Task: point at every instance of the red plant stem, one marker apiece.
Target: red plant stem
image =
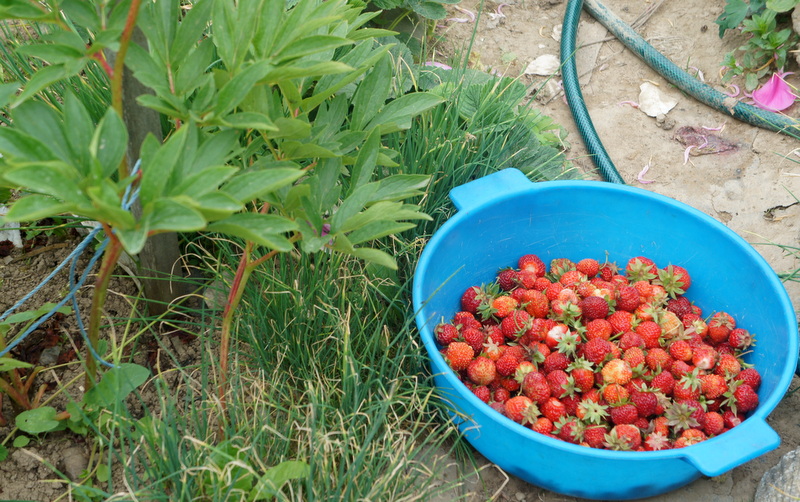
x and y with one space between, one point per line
234 297
16 396
110 258
100 58
119 63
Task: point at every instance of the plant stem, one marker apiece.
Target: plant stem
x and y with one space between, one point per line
110 258
117 77
243 272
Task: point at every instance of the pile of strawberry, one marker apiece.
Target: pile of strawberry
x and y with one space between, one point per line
600 356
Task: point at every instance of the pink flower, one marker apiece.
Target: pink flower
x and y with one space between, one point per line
775 95
438 65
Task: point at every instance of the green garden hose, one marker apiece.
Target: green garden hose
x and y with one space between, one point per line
666 68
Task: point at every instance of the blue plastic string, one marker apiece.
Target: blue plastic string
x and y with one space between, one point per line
128 198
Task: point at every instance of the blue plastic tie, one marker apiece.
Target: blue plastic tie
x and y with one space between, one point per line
128 198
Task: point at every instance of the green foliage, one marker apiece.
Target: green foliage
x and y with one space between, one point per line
430 9
769 34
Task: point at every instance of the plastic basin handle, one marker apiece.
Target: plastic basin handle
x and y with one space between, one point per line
742 443
487 189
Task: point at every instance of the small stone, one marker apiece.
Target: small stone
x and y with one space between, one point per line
49 356
665 122
74 462
782 482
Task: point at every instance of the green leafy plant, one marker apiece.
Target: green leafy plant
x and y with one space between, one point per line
767 46
429 9
263 147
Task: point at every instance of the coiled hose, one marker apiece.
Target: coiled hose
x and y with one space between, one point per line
666 68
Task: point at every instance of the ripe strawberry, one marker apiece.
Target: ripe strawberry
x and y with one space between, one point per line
624 437
628 298
503 305
623 414
533 263
694 324
586 289
588 266
634 356
535 387
608 270
746 398
553 290
681 368
482 370
740 338
446 333
705 357
720 326
674 279
459 355
621 321
732 419
560 266
475 338
472 299
663 382
679 306
572 278
598 328
507 364
483 393
751 377
536 303
541 284
595 435
464 319
658 359
569 429
501 395
555 361
543 425
671 326
680 350
515 324
687 387
641 268
517 408
629 340
523 369
558 380
650 332
555 334
593 307
645 401
617 371
494 333
713 386
526 279
583 378
596 350
615 393
728 366
507 279
553 409
689 437
713 423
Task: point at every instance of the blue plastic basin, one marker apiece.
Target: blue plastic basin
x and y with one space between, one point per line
503 216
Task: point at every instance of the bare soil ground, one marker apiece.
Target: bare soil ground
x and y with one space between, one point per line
751 189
